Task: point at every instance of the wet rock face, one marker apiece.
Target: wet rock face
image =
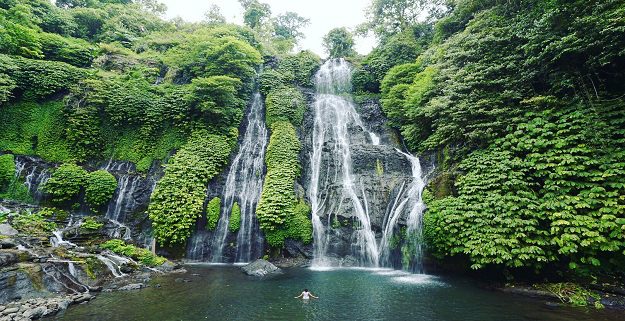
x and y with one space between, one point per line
17 283
378 171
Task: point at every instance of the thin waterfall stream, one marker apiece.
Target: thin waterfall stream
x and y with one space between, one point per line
244 185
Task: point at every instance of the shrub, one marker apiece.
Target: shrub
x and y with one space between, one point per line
213 209
299 69
30 128
38 80
235 218
7 170
142 255
285 104
33 224
65 183
270 80
99 188
178 198
91 223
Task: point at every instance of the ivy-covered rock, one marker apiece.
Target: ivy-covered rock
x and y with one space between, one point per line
178 199
285 104
279 214
549 192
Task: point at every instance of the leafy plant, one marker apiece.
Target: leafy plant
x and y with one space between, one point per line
142 255
91 223
213 211
99 187
33 224
65 183
235 218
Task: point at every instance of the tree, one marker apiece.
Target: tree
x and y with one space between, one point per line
289 25
213 16
339 42
256 13
388 17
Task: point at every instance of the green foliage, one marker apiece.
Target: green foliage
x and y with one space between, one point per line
99 188
288 26
299 69
285 104
202 56
401 48
255 13
213 211
142 255
7 170
217 98
269 80
65 183
37 80
550 191
178 198
235 218
33 224
339 43
73 51
91 223
35 129
277 204
571 293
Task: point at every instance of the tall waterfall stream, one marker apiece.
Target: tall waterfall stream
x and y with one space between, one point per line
334 122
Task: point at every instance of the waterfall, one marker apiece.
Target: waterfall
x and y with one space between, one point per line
334 114
124 201
34 172
337 133
408 200
244 185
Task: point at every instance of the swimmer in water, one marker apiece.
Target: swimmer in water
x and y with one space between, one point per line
306 295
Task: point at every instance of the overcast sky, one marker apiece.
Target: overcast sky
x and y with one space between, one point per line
323 14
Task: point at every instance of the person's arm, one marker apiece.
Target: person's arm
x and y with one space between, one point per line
299 296
314 297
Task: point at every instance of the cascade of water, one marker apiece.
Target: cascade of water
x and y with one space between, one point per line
111 265
57 240
334 114
336 125
244 185
407 199
34 175
123 202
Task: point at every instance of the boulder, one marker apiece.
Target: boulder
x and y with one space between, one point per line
261 268
7 230
7 243
133 286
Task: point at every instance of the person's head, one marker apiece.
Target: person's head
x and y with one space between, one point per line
305 290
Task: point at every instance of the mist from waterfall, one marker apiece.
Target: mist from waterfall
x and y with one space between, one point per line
244 185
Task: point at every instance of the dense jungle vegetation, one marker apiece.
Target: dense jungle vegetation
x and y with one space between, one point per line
87 81
521 102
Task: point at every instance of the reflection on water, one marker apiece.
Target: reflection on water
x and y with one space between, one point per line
225 293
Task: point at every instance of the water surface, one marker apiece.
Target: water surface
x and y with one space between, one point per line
225 293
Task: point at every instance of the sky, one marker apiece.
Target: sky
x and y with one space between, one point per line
324 15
